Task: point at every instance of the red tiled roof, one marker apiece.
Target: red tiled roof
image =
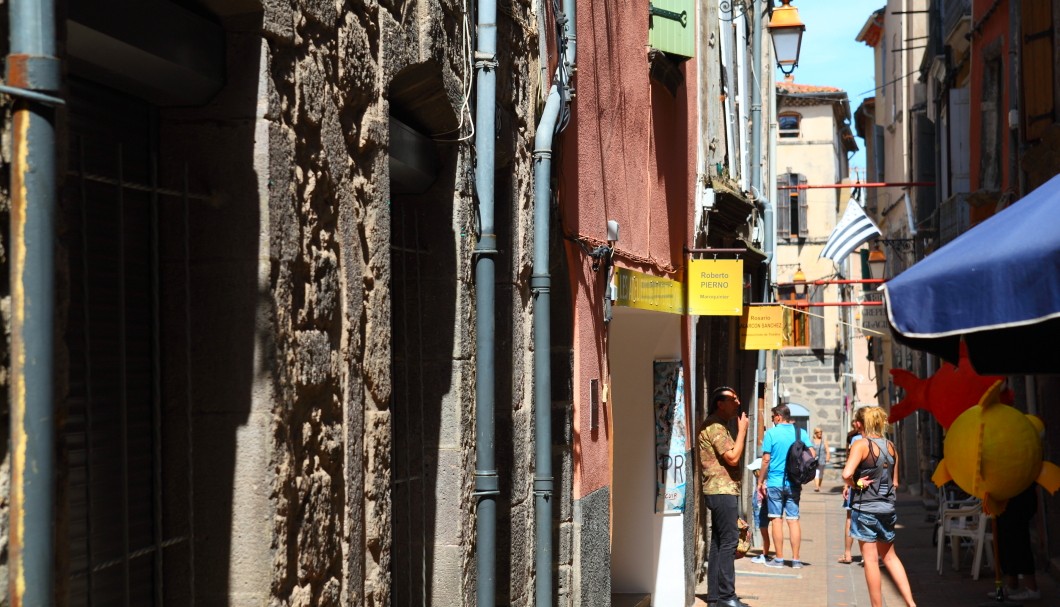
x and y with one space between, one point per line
792 87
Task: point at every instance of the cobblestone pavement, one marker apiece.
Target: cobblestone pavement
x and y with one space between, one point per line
824 581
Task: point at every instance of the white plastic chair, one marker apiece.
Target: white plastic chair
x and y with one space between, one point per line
964 521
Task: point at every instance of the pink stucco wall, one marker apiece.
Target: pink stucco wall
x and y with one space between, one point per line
629 154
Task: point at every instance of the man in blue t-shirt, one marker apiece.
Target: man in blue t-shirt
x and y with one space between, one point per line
782 497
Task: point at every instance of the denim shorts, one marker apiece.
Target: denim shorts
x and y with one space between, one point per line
783 500
871 527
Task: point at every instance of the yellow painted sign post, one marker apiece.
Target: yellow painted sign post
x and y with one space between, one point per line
715 287
762 328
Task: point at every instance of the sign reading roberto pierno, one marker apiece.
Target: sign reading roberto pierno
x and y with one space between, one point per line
715 287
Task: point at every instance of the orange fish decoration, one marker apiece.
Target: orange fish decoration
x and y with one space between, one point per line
946 394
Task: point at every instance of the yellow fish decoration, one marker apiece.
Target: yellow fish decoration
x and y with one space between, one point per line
994 452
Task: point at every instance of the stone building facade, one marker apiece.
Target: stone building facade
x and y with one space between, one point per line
817 369
266 371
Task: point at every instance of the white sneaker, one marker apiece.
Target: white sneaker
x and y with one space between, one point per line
1025 594
759 560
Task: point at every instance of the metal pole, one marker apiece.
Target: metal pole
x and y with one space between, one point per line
875 184
541 286
822 304
837 281
486 485
756 178
32 65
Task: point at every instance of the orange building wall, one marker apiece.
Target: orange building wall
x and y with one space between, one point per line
628 155
994 28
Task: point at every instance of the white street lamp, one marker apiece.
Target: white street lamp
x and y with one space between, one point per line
877 262
786 30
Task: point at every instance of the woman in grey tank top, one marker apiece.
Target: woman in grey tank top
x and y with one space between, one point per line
871 472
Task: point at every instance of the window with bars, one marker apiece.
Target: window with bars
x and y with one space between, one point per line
118 526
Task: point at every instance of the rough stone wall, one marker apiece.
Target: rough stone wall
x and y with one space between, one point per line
329 236
813 381
517 99
592 560
328 69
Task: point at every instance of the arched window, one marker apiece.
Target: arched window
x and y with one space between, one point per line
789 124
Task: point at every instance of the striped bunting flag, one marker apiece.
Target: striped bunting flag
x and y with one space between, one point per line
853 229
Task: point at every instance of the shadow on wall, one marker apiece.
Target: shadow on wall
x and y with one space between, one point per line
211 338
427 473
158 282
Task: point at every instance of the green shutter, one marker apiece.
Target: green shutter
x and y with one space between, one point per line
672 35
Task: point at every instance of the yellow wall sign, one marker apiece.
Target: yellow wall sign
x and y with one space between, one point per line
715 287
762 328
647 292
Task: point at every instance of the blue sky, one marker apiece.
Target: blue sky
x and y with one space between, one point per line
831 56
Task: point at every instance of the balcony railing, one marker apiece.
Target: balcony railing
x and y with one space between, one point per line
954 219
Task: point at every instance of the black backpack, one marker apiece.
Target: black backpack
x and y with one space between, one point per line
801 466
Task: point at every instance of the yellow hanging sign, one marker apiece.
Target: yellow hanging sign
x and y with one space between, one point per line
646 292
715 287
762 328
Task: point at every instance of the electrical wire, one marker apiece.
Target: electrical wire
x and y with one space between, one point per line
468 81
842 322
886 84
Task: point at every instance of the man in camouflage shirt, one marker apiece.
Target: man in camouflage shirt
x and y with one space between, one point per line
720 455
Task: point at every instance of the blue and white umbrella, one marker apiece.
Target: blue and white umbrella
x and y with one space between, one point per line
997 286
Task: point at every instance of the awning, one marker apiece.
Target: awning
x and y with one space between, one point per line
997 286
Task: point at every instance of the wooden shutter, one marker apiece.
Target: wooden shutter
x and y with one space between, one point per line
960 142
925 172
816 321
674 36
1038 68
990 139
783 209
804 229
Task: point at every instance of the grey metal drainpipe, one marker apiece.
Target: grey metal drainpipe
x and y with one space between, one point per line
32 65
540 285
756 176
486 485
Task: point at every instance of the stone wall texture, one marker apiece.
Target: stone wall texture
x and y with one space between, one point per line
330 68
814 381
302 512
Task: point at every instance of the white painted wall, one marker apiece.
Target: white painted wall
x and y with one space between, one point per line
647 549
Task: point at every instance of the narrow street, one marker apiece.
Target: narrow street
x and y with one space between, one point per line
844 585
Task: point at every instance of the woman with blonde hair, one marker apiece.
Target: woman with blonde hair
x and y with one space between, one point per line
871 472
820 447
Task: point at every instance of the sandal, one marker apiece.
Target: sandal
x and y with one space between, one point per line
844 561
